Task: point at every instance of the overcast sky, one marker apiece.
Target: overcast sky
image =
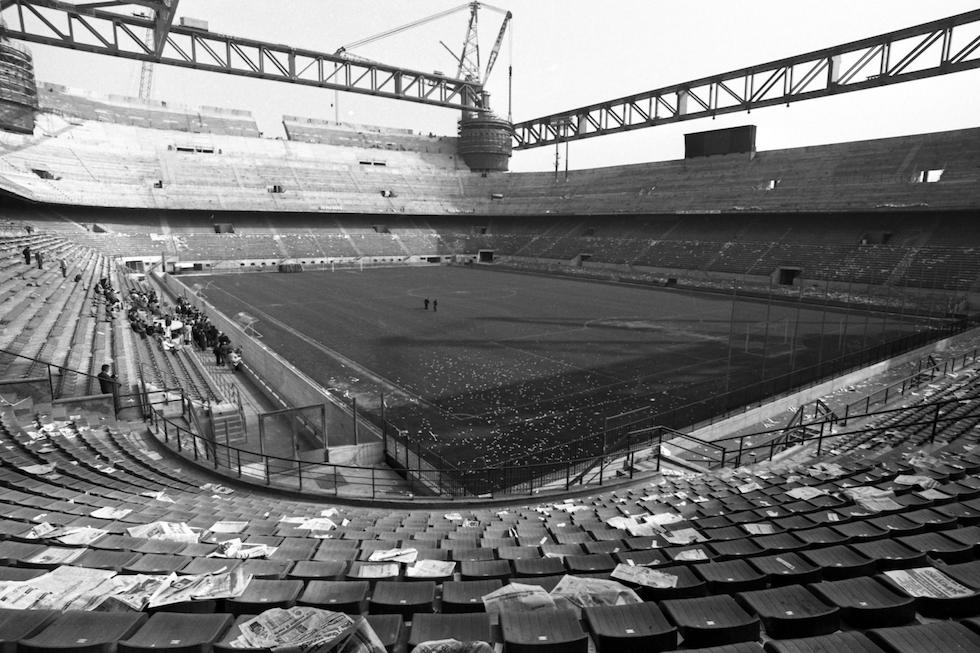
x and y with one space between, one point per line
564 53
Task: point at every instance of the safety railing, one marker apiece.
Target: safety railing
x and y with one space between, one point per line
929 417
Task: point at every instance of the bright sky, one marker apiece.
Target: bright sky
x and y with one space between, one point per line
565 54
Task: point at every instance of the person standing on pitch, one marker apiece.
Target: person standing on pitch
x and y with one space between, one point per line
435 305
425 302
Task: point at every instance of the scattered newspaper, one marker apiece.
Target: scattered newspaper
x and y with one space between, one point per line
297 629
934 495
378 570
110 513
394 555
634 526
159 496
165 530
805 492
577 592
749 487
452 646
684 536
928 582
38 470
131 592
180 589
759 529
925 482
453 516
316 524
644 576
217 489
55 590
664 518
430 569
873 499
235 548
517 597
70 535
826 470
691 555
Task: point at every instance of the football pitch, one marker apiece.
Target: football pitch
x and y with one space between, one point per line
515 368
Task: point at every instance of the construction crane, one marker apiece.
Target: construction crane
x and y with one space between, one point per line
146 68
468 60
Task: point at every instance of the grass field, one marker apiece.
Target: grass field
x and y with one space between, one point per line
515 367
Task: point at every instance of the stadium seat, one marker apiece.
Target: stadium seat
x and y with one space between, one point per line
590 563
890 554
711 621
966 573
941 636
340 596
866 603
19 573
852 642
485 570
837 562
731 576
388 628
466 596
943 602
16 625
518 552
531 567
177 633
406 599
964 514
262 595
223 645
787 569
629 627
200 565
791 611
967 535
687 585
861 530
156 563
735 548
473 627
317 570
543 631
261 569
780 542
372 571
83 632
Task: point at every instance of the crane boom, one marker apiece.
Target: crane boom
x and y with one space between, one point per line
88 28
492 59
901 56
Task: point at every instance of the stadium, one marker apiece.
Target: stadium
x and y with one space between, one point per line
360 388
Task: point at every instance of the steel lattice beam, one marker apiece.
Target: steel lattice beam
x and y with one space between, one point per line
91 29
936 48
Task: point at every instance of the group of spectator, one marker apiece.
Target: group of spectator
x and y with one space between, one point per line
187 325
39 260
105 290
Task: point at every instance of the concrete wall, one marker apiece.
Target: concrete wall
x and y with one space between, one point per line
91 404
23 394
